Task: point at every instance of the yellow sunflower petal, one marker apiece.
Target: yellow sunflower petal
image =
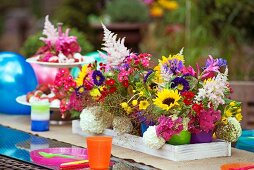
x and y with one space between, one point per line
167 99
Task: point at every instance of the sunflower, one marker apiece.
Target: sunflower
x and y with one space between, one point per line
166 99
82 74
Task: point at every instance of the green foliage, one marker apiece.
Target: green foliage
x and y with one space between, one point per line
76 12
32 43
127 11
222 28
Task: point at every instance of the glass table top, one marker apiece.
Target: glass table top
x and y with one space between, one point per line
18 144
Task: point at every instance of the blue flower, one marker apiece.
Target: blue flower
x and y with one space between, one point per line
173 66
181 84
98 78
222 62
147 75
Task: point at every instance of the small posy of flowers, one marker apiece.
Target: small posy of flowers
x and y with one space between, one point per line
59 46
169 98
201 96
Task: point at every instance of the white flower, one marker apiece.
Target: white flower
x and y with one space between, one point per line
90 122
50 31
214 89
151 139
115 48
62 58
78 56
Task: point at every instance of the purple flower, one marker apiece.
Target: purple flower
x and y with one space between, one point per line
181 84
176 66
212 65
222 62
218 62
98 78
80 90
147 75
173 66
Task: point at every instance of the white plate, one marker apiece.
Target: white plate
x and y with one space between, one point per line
22 100
87 60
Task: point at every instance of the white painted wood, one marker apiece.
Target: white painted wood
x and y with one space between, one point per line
217 148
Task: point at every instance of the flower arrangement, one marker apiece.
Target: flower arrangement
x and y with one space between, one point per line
58 46
170 99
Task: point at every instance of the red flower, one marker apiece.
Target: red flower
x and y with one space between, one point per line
88 86
110 82
112 89
125 83
197 107
188 96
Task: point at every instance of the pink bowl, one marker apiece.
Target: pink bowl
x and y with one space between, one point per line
79 153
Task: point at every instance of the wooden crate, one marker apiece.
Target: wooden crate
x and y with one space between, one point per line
217 148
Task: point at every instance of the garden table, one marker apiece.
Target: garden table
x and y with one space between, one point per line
64 133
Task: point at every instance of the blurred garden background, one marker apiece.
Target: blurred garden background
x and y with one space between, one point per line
221 28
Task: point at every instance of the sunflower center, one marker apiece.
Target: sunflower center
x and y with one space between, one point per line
180 87
168 101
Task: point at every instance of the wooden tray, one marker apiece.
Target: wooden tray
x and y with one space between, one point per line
216 148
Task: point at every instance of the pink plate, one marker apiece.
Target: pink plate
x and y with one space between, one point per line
79 153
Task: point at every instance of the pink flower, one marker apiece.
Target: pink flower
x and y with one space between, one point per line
67 45
212 65
168 127
46 56
205 120
188 71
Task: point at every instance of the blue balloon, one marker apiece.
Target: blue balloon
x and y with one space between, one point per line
17 78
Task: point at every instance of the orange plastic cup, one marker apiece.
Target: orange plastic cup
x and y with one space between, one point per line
238 166
99 151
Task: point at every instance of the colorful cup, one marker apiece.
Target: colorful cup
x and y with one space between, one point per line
40 114
180 139
237 166
99 151
202 137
